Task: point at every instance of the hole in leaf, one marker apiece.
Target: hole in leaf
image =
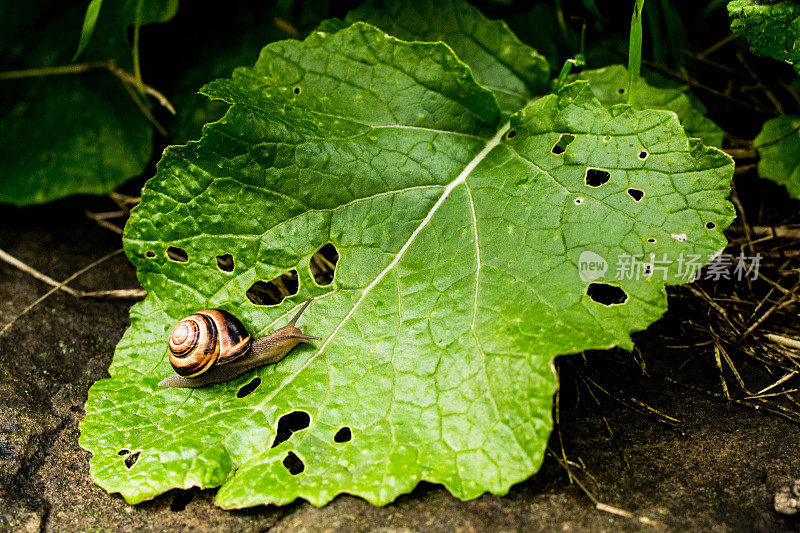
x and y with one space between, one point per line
680 237
643 155
343 435
289 423
596 177
225 262
293 464
177 254
297 90
150 254
606 138
131 459
710 225
511 134
124 451
274 291
250 387
606 294
578 201
323 264
647 269
636 194
651 240
181 500
621 91
563 141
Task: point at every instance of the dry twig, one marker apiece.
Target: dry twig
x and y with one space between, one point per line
104 294
128 81
58 287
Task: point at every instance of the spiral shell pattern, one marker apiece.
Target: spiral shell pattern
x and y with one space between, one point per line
204 339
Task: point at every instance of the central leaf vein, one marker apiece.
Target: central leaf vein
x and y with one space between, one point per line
461 178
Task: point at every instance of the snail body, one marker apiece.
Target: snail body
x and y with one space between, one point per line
213 346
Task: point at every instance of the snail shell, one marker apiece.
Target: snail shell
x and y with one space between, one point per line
204 339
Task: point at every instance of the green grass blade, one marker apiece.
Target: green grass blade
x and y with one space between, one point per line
635 49
89 22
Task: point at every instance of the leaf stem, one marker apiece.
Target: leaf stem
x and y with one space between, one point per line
565 70
79 68
144 109
52 71
137 71
635 50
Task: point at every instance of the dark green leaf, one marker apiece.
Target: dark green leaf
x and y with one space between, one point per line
778 146
771 28
499 61
72 133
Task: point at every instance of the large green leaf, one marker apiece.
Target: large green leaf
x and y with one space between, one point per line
610 85
459 238
771 28
66 134
514 71
778 146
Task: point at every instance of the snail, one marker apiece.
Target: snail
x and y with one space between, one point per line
213 346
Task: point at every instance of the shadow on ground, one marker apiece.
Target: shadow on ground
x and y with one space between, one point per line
718 472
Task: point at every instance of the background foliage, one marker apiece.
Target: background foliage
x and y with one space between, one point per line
120 127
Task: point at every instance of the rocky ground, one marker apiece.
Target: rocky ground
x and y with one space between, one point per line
717 472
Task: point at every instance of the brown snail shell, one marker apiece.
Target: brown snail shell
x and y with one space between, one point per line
204 339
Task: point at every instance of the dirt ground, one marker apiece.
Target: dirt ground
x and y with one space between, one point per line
717 472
